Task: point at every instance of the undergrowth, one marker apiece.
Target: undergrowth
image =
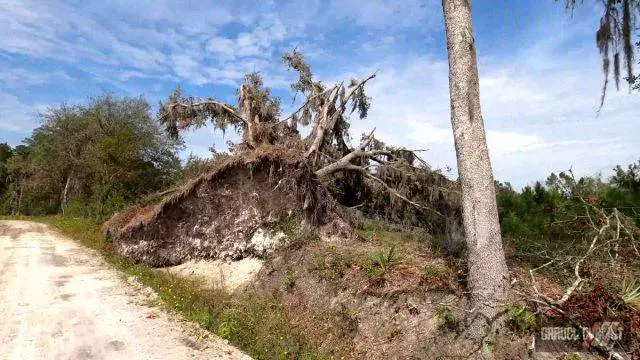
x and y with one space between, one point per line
381 262
256 323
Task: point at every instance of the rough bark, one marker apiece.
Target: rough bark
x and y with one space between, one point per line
488 275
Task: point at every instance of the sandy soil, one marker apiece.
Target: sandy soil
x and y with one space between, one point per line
218 274
59 300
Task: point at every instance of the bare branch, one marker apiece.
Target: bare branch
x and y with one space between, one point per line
347 159
327 120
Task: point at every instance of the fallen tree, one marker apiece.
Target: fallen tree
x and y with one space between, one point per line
323 173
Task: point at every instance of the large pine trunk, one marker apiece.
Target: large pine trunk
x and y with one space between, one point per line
488 275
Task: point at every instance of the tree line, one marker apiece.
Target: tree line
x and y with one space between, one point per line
88 160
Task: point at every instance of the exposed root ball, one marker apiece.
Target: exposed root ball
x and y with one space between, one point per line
217 215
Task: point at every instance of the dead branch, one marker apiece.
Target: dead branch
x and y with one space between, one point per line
346 164
332 111
578 281
347 160
306 103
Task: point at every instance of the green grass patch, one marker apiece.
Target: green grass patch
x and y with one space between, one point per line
331 263
256 323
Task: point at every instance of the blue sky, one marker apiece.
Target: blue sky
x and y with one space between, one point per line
540 72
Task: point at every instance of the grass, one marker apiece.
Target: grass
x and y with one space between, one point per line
380 262
330 263
435 270
256 323
630 295
447 319
520 320
288 279
376 231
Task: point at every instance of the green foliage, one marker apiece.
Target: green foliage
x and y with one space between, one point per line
437 271
380 262
572 356
520 320
228 328
89 160
447 318
551 220
331 263
5 153
288 278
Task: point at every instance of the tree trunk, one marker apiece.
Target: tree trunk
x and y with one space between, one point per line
65 194
488 275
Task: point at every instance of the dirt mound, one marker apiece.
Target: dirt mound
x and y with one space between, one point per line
225 214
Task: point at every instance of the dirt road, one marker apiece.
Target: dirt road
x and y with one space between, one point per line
59 300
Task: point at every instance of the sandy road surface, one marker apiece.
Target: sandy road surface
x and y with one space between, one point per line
59 300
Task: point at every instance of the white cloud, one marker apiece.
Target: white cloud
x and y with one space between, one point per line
539 119
255 43
16 116
385 13
11 78
222 47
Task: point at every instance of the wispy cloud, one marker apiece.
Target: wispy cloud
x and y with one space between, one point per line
12 78
539 85
17 116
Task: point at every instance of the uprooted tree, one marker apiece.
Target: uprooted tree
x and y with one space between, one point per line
356 174
274 173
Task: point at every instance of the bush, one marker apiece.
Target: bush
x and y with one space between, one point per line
520 320
447 318
379 263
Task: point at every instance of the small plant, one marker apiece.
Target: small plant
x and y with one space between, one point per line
290 226
393 333
288 279
228 328
630 295
379 263
432 270
520 320
330 264
446 317
572 356
435 271
346 320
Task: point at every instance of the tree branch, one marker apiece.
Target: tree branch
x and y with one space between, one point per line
327 121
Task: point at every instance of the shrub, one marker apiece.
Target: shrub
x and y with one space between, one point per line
447 318
288 279
520 320
379 263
